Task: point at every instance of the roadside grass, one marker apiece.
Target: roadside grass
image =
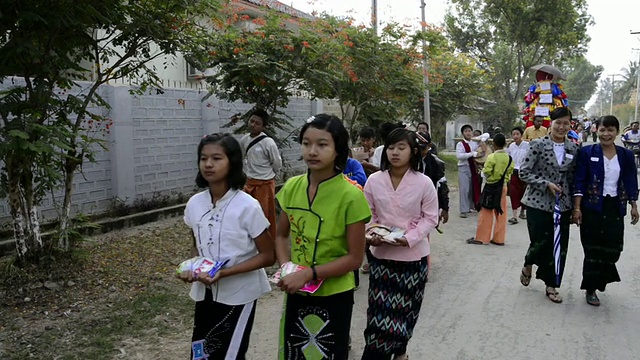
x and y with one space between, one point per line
451 169
119 297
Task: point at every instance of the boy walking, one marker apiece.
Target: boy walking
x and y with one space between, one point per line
262 163
468 178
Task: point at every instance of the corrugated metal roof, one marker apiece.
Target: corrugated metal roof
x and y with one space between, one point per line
280 7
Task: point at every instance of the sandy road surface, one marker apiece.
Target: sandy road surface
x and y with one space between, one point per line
476 308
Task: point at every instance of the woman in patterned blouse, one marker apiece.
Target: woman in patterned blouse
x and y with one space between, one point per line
548 169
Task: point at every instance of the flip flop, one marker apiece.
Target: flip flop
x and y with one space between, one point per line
553 295
474 242
495 243
365 269
513 221
523 216
525 279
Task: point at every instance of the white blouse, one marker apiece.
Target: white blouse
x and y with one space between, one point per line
611 176
228 231
558 149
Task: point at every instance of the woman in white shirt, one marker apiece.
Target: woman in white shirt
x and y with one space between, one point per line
518 151
605 184
227 224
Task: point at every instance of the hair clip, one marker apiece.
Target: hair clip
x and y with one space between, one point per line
310 120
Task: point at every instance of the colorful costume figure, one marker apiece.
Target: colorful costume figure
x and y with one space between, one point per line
544 94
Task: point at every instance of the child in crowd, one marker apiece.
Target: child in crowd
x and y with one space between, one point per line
364 153
496 170
354 171
468 177
517 150
227 224
324 215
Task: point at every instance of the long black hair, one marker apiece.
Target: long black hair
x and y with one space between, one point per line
236 177
395 137
332 125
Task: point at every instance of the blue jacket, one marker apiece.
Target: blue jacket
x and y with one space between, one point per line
589 178
355 171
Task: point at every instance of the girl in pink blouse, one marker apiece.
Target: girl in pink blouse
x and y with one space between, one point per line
400 197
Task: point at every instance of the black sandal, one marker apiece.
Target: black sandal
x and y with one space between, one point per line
525 279
473 241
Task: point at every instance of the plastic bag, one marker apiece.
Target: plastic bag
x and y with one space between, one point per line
290 268
201 264
388 234
198 265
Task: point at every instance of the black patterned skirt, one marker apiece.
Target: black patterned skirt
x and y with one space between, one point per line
316 327
602 237
396 290
221 331
541 233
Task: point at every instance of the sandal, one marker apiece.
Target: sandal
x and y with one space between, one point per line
474 242
592 299
553 295
523 215
496 243
513 221
525 279
365 269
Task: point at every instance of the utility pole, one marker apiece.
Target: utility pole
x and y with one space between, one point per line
635 116
613 82
374 16
425 70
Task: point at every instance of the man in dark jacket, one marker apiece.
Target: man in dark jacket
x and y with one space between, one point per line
432 166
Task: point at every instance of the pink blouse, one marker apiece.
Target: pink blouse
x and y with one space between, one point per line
413 206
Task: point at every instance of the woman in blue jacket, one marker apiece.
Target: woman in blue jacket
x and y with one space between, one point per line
605 182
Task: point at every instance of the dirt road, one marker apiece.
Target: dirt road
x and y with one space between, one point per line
476 308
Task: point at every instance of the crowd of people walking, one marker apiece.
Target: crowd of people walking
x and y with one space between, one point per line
381 203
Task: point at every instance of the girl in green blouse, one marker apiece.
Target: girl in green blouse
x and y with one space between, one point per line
321 227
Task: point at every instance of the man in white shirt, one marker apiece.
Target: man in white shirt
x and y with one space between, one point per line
262 164
385 130
468 177
518 150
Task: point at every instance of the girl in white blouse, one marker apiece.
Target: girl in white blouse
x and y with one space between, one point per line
227 224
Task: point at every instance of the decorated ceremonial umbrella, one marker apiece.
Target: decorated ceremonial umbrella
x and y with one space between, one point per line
556 238
549 69
544 95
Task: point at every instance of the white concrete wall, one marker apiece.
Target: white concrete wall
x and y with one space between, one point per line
152 145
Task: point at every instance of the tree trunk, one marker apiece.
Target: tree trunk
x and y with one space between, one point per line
71 163
64 242
26 225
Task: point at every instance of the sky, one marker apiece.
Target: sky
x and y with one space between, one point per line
611 42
